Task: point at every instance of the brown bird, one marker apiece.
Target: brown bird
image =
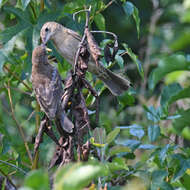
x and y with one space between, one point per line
47 85
67 42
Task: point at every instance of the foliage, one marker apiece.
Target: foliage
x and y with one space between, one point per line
143 136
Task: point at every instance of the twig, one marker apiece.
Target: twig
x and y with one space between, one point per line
41 5
106 32
8 178
12 165
13 74
17 123
102 9
154 18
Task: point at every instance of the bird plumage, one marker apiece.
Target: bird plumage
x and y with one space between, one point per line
47 85
67 42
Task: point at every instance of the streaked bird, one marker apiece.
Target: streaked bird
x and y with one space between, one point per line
47 85
67 42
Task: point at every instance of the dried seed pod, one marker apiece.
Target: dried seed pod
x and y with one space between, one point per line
94 48
107 53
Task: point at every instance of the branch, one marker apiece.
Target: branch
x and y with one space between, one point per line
8 178
19 127
12 165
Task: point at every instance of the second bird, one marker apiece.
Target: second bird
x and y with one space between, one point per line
67 42
47 85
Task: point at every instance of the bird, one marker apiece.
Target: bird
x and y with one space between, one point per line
67 42
47 85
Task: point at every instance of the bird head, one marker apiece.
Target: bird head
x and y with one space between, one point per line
48 30
39 55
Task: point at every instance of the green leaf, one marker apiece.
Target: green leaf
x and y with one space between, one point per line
182 122
168 64
99 135
135 59
158 177
147 146
184 165
77 176
118 149
117 164
128 8
136 130
112 135
152 113
137 20
163 153
100 21
168 93
25 4
37 179
153 132
120 61
133 144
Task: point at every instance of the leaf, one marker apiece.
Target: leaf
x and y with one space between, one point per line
147 146
152 113
135 59
99 135
117 164
168 93
112 135
120 61
136 130
184 165
37 179
137 20
133 144
158 177
163 153
153 132
100 21
128 8
183 121
77 176
25 4
118 149
168 64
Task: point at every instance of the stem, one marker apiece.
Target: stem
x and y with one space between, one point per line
8 178
19 127
102 9
13 74
12 165
41 5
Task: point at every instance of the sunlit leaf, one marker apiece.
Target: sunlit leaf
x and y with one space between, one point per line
153 132
112 135
100 21
81 173
175 62
37 179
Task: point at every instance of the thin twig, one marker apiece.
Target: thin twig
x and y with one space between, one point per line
12 165
13 74
41 5
102 9
8 178
106 32
17 123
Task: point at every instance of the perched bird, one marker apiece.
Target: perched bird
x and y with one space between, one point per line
67 42
47 85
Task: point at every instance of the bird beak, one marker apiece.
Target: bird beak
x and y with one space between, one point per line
48 49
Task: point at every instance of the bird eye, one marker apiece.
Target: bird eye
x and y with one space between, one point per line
46 29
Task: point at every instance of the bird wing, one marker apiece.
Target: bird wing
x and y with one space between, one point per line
74 34
49 94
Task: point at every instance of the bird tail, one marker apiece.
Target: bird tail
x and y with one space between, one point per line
115 83
65 123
